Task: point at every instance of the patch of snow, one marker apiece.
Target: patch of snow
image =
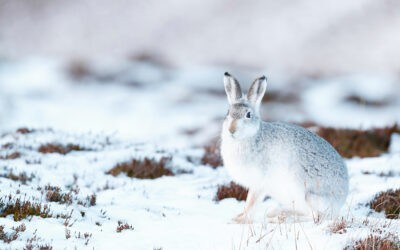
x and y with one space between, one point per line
325 103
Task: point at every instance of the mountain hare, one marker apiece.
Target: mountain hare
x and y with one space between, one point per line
301 171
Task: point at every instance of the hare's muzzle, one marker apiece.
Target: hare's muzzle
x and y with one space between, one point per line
232 127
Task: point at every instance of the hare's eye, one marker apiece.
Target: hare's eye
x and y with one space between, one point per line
248 115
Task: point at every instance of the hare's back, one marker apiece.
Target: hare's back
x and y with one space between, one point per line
296 137
309 149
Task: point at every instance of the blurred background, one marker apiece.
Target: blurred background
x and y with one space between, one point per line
151 71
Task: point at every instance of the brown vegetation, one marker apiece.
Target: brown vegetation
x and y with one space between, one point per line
365 102
389 202
338 227
22 177
22 209
123 226
143 169
12 156
85 236
58 148
374 242
280 97
212 156
79 70
54 194
388 174
24 130
7 238
232 190
362 143
31 246
89 201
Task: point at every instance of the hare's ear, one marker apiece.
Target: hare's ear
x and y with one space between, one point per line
257 91
232 88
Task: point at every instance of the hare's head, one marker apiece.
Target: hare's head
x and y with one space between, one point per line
243 118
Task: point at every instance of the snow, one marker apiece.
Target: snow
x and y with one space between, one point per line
115 122
34 95
325 103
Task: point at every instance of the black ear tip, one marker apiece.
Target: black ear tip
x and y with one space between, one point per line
263 78
227 74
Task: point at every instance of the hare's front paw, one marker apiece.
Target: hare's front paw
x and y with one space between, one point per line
242 218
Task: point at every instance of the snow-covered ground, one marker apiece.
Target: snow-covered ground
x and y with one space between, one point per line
147 111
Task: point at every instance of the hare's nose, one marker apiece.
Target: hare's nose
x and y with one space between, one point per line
232 127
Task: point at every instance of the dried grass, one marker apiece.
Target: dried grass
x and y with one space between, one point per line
389 202
24 131
79 70
338 227
7 238
89 201
123 226
143 169
361 143
280 97
54 194
232 190
12 156
22 177
212 156
361 101
373 242
58 148
22 209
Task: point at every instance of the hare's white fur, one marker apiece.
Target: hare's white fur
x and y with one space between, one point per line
295 167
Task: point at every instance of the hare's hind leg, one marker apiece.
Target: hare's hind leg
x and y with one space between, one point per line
322 207
245 217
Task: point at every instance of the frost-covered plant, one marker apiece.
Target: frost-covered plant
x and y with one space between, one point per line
389 202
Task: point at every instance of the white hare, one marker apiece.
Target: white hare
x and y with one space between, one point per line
301 171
